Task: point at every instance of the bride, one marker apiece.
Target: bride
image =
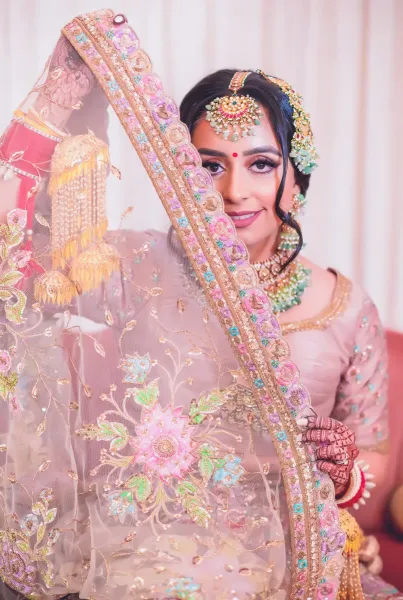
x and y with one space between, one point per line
157 439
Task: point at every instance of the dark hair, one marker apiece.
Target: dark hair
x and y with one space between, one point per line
279 111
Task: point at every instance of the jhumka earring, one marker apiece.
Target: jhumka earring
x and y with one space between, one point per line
289 238
236 114
81 259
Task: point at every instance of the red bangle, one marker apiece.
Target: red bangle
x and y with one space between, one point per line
358 489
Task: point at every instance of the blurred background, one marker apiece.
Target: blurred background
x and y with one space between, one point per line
345 58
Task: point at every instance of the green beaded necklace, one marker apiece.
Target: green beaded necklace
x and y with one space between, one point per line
286 287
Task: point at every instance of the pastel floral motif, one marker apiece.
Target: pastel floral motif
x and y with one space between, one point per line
229 470
286 373
325 590
222 228
113 86
20 258
5 362
16 569
146 396
233 252
8 383
17 218
183 588
297 397
183 221
11 235
208 276
207 404
256 302
21 563
109 431
164 443
121 505
267 327
81 38
30 525
137 368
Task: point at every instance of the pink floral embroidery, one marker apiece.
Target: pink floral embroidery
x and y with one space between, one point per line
5 362
15 568
163 443
20 258
18 217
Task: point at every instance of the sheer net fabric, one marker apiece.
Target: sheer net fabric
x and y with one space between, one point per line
148 436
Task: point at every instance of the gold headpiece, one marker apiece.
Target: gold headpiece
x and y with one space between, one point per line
238 114
303 151
77 186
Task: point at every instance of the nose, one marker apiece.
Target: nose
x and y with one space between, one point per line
235 187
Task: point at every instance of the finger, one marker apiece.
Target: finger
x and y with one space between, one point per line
324 423
337 473
333 453
318 436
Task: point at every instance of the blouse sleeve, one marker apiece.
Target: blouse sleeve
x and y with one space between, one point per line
361 399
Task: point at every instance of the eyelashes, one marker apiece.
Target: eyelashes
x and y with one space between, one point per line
259 166
212 166
264 165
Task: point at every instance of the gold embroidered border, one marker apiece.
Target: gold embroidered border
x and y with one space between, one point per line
230 293
323 320
226 283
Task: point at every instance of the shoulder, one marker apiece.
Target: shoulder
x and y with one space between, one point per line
358 318
341 305
330 286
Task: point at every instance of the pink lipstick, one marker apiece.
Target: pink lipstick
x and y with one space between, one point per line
244 219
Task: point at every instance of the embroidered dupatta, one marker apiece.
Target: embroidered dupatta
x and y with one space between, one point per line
154 452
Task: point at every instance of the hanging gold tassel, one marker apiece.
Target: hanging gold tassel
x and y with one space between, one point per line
77 186
94 265
54 287
350 582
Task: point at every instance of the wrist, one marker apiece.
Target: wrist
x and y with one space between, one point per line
358 489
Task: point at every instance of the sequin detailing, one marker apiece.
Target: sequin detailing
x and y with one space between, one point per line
361 401
336 308
26 550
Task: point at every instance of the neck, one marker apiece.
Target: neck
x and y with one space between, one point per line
264 249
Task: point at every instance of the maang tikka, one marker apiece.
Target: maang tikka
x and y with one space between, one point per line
235 115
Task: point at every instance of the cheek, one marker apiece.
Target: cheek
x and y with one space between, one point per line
265 191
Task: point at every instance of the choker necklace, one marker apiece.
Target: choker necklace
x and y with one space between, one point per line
284 288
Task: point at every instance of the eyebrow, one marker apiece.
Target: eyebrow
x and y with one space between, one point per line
258 150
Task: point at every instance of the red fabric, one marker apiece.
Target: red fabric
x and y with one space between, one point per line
31 152
373 517
392 556
34 150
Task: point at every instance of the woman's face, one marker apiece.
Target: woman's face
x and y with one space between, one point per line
247 173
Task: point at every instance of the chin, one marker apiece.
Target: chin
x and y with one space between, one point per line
250 237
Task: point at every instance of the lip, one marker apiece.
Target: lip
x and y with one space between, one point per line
245 218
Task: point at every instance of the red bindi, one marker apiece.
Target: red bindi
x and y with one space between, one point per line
235 154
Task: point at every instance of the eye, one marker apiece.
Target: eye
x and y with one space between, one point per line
213 167
263 165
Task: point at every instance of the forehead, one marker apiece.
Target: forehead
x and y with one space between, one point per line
204 136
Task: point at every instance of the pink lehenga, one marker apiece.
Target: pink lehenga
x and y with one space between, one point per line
128 467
